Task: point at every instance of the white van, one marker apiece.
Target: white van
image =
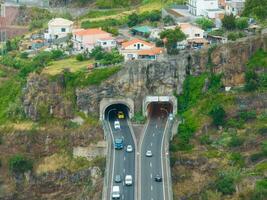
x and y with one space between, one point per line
116 192
128 180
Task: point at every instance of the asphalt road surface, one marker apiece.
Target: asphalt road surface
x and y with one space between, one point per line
123 162
152 166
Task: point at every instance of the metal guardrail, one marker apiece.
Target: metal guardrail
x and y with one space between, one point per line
107 171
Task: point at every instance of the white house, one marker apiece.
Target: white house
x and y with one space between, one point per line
194 34
197 7
58 28
141 50
87 39
234 7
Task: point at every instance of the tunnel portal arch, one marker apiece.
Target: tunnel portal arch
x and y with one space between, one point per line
159 99
107 102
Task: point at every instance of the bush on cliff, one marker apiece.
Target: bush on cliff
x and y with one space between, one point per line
19 164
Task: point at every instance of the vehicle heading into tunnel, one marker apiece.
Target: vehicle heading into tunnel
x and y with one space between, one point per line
118 144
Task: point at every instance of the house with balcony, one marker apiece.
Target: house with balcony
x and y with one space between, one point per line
58 28
87 39
198 7
234 7
137 49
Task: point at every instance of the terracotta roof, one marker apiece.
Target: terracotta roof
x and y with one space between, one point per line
91 31
126 44
184 26
150 52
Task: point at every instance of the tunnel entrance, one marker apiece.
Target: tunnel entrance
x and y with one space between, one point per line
157 109
167 104
116 111
125 105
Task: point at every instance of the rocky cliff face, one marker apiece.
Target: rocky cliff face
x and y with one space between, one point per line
44 97
138 79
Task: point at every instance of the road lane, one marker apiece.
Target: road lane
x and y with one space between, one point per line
124 162
151 166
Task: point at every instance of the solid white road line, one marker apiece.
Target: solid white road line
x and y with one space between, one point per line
151 188
150 164
150 175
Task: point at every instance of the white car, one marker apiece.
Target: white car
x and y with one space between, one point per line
148 153
128 180
129 148
117 124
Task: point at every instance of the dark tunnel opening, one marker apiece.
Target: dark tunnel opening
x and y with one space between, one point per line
115 111
156 109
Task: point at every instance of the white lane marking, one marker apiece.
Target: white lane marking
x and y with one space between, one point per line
124 158
161 157
153 134
150 164
156 125
151 188
151 144
124 171
150 175
122 196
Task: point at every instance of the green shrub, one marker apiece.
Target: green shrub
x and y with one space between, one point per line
237 159
264 147
80 57
139 118
248 115
218 115
235 35
235 123
251 81
258 60
241 23
228 22
235 141
2 74
24 55
56 54
205 23
19 164
262 131
205 139
225 185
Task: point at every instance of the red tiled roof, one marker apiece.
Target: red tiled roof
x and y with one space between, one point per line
92 31
126 44
150 52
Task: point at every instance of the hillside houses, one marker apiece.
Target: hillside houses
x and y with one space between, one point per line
141 50
87 39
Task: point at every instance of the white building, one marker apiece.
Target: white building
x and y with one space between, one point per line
87 39
198 7
234 7
141 50
58 28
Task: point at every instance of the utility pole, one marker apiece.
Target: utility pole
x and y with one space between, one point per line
3 35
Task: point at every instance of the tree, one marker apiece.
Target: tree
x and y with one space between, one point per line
205 23
251 80
133 20
172 37
218 115
228 22
256 8
19 164
241 23
168 20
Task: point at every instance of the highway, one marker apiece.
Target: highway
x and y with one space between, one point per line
122 163
152 166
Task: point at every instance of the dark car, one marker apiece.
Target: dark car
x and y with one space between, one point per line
117 179
158 178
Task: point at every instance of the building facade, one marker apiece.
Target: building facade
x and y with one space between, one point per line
87 39
234 7
197 7
58 28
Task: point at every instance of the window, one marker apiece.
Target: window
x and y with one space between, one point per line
134 45
142 45
63 30
104 43
197 35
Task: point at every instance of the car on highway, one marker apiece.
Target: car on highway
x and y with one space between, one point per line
128 180
118 143
158 178
148 153
116 192
121 115
117 124
117 178
171 116
129 148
